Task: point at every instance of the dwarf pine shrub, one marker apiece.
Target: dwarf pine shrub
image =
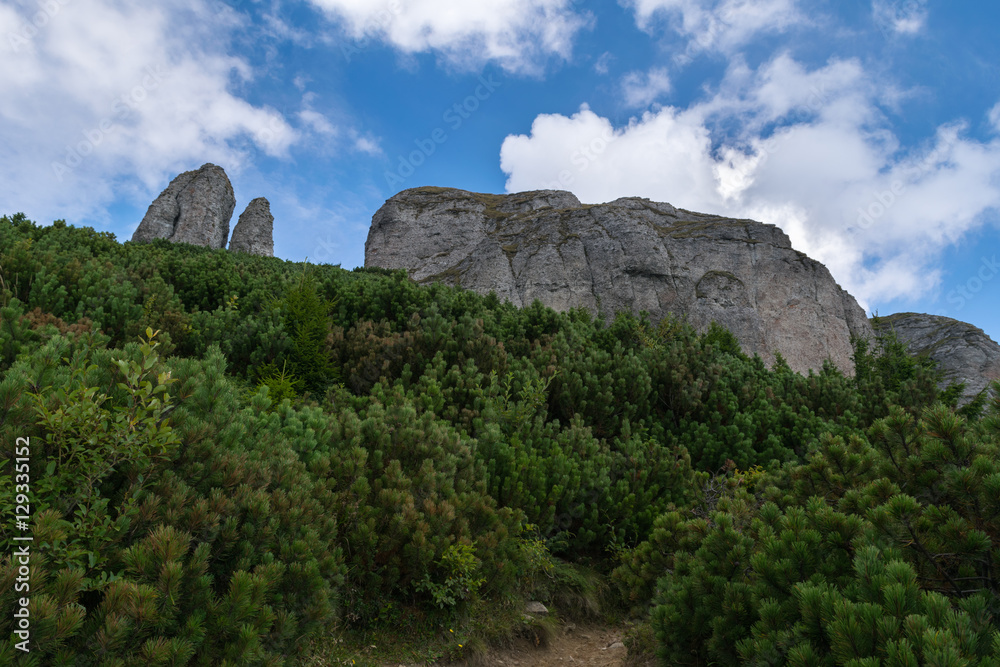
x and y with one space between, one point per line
139 556
883 549
445 456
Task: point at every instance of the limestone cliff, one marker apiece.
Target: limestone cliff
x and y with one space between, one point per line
964 352
630 254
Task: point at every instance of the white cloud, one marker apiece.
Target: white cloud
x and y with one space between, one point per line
367 144
318 122
832 174
330 137
905 17
583 153
314 120
994 116
602 66
104 92
518 34
642 89
722 25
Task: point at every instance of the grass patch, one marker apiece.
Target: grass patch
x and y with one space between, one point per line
414 636
640 641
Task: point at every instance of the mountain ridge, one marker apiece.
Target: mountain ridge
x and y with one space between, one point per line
629 254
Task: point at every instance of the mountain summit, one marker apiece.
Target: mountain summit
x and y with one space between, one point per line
631 254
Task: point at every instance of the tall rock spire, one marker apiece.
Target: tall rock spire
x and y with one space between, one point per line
195 208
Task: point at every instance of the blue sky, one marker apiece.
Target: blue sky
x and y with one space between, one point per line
868 130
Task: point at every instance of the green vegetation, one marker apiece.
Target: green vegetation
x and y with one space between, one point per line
238 460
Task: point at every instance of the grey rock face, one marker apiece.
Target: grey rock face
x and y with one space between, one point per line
195 208
254 232
964 352
631 254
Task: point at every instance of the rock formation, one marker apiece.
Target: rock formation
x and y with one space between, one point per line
964 352
195 208
254 231
630 254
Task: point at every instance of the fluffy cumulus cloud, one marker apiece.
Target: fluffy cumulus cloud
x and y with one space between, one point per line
722 25
813 154
106 96
519 34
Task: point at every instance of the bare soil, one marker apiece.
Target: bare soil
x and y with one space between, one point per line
586 646
583 646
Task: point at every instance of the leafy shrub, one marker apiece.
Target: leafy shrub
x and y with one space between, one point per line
886 374
459 567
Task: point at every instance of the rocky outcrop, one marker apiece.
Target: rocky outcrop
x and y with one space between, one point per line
195 208
963 352
630 254
254 232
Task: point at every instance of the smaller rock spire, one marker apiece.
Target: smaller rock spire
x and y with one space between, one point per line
254 232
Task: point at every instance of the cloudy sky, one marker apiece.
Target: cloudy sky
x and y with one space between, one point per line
869 130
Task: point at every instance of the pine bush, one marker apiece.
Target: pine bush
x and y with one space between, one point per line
474 454
883 548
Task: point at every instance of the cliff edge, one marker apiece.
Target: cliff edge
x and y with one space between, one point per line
631 254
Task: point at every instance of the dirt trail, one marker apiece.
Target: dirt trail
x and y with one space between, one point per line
586 646
580 646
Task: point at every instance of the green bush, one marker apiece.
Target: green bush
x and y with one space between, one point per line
443 455
408 488
458 581
883 548
307 321
141 555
